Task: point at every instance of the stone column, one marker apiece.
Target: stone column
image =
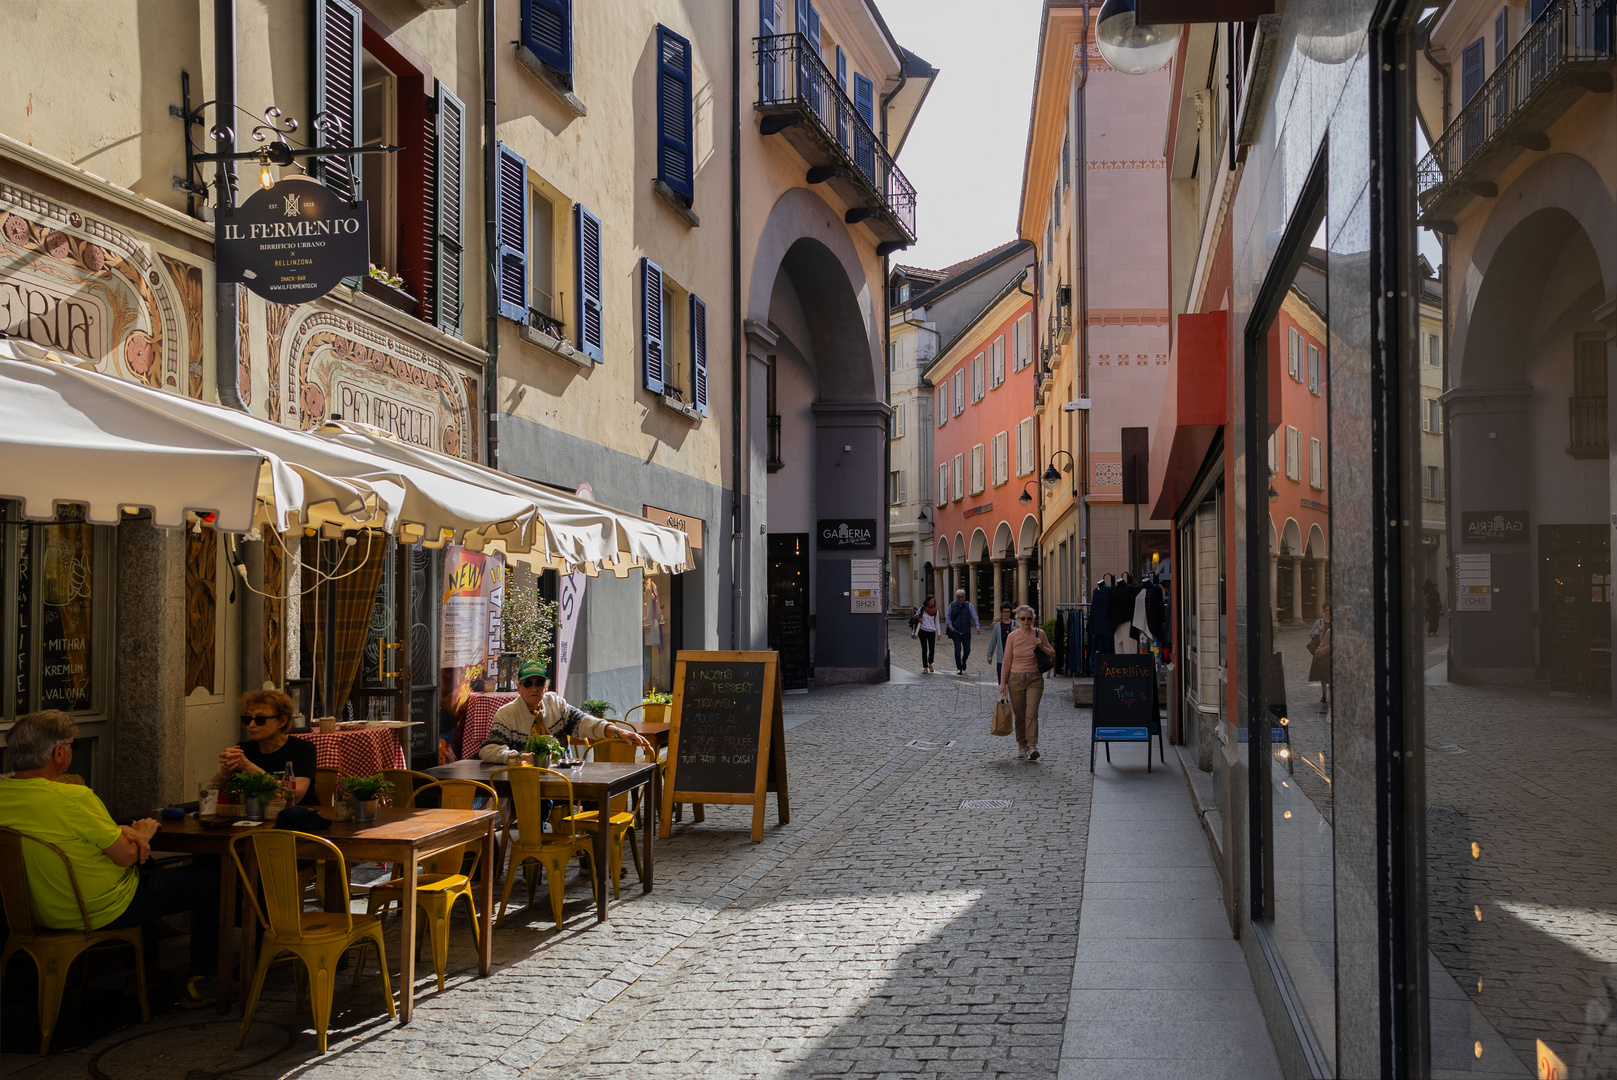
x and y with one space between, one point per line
1021 579
149 640
753 571
1296 613
971 587
999 585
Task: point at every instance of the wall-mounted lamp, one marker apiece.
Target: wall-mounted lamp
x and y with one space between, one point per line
1130 47
1025 499
1052 476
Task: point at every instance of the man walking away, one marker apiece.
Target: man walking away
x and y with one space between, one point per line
962 624
1434 606
997 635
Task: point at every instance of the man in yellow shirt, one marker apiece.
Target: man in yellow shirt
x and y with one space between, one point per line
118 891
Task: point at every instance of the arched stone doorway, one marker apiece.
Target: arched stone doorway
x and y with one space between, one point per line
812 340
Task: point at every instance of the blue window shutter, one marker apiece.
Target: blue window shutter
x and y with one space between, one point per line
588 247
699 354
651 325
842 81
1472 69
675 161
337 39
766 18
864 102
450 213
511 234
547 32
864 98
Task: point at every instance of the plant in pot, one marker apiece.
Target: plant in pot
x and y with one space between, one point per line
545 749
255 789
599 708
364 791
657 706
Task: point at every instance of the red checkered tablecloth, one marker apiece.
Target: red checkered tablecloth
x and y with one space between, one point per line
357 753
480 720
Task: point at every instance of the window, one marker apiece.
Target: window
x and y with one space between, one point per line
1313 368
1316 464
943 484
1293 451
1002 458
673 339
864 102
547 37
1432 485
977 378
898 420
977 469
1022 335
1274 465
1024 447
676 159
60 653
544 308
772 417
943 404
1294 350
842 117
959 381
958 476
1587 406
510 233
996 367
1432 416
1066 161
896 357
1434 350
897 489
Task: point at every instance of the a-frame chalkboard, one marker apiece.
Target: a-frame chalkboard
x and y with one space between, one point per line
727 743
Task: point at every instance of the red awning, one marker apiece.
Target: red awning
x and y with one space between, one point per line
1195 405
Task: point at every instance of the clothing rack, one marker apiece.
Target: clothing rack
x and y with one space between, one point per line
1072 639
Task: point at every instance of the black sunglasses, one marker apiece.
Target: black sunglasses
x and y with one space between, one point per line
252 721
533 682
1024 618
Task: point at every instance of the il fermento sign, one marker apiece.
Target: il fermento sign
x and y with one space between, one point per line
294 242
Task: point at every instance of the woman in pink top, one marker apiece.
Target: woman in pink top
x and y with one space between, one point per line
1021 680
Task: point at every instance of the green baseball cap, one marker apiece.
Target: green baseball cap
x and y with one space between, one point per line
530 668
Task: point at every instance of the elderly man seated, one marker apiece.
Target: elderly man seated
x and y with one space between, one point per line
536 710
120 888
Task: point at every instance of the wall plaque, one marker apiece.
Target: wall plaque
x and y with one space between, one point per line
842 534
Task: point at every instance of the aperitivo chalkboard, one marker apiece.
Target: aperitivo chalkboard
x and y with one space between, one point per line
1125 703
727 743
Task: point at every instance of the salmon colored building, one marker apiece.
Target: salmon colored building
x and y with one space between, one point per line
986 456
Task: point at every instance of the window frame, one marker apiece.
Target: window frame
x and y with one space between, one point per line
1316 464
943 485
942 405
1293 454
978 470
957 477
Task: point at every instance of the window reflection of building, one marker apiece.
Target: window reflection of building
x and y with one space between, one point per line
654 631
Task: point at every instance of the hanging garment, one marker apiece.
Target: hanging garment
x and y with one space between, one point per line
1075 642
1156 610
1120 605
1139 619
654 619
1123 642
1099 622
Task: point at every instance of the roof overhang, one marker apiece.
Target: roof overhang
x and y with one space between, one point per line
1062 31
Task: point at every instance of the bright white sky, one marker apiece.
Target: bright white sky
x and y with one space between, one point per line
964 154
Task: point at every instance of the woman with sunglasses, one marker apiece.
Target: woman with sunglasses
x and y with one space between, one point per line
266 717
1021 680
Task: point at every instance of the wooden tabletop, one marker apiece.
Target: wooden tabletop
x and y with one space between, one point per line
608 777
393 826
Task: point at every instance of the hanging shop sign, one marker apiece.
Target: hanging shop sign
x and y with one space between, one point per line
1494 526
569 602
294 242
842 534
690 526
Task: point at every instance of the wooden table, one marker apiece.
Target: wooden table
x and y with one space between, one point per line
594 781
405 837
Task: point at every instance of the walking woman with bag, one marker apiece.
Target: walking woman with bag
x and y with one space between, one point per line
928 623
1028 655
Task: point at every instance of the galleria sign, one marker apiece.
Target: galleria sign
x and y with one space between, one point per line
294 242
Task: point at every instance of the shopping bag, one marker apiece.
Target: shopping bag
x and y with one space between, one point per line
1003 719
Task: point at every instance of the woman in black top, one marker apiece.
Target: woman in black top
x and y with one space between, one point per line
267 716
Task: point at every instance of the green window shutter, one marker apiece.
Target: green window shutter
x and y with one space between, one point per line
337 37
450 212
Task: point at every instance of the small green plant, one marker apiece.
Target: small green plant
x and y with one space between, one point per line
657 697
366 788
543 745
1049 629
599 707
257 785
386 277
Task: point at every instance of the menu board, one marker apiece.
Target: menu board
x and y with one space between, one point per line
1125 707
727 741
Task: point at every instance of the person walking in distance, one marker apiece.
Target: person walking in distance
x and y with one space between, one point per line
1021 680
1319 643
1433 602
996 638
962 624
928 622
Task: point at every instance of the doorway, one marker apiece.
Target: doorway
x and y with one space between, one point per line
788 606
1574 596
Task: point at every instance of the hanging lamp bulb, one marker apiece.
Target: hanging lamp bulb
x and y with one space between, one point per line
266 179
1130 47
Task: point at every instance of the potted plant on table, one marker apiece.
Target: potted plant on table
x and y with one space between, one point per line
255 790
599 708
364 791
545 749
657 706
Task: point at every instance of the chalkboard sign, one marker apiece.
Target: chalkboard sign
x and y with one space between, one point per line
727 741
1125 707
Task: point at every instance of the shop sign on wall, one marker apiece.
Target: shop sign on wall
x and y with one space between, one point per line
1473 583
841 534
294 242
1494 526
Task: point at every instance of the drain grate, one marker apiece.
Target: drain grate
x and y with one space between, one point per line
987 804
929 744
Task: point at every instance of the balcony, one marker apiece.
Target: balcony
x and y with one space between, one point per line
798 97
1565 54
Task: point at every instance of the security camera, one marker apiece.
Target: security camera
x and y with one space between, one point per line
1075 406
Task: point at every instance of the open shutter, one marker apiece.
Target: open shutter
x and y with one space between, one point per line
1471 79
864 102
675 160
588 247
699 353
842 83
547 32
651 325
338 32
450 217
769 73
511 234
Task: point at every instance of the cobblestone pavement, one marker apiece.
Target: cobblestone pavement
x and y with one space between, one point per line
885 931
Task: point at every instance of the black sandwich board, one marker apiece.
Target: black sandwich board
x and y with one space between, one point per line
1125 707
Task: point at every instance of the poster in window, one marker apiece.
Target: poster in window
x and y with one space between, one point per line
471 579
64 634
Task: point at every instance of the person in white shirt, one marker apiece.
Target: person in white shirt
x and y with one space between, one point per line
928 625
535 706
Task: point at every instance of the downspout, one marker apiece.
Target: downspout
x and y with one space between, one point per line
887 370
738 539
491 285
1443 284
226 344
1081 238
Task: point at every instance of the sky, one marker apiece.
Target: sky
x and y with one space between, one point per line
964 154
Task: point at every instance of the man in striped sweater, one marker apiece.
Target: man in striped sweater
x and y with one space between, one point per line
535 706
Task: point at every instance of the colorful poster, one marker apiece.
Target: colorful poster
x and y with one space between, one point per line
470 578
569 602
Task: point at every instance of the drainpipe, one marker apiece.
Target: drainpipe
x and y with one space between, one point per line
738 539
491 285
1443 284
226 358
887 364
1081 286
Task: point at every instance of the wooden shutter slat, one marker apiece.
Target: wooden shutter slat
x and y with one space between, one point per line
450 216
338 31
511 231
588 254
651 325
699 354
675 160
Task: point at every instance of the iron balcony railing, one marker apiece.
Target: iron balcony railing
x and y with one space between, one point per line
1587 420
1570 37
792 78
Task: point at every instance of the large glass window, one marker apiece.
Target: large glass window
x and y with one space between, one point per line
56 582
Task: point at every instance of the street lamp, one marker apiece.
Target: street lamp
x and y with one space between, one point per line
1052 476
1127 45
1025 499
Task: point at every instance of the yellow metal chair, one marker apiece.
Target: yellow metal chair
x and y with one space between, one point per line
53 951
442 883
318 938
553 851
698 812
325 784
404 782
620 819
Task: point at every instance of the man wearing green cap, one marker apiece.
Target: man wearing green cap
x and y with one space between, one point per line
534 706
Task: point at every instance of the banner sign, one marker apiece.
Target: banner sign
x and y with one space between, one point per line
471 579
294 242
1493 527
569 602
841 534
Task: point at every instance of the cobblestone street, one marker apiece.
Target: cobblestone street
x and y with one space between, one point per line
885 931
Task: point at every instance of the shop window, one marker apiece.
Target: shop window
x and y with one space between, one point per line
56 581
977 389
673 341
977 469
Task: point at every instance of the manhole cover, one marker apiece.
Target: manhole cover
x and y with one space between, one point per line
928 744
987 804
